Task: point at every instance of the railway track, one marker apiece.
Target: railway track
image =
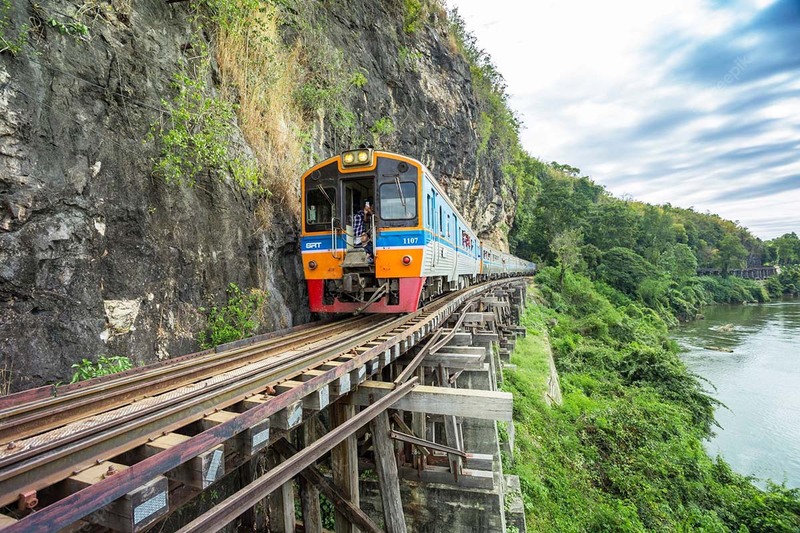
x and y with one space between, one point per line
49 436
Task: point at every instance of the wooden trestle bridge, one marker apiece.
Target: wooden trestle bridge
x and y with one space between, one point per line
124 452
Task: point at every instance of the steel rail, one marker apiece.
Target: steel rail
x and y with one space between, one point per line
52 391
36 468
77 505
222 514
36 417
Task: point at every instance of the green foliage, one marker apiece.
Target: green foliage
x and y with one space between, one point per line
328 512
104 366
11 40
238 319
74 29
358 79
625 270
409 59
195 136
498 126
383 126
784 250
624 452
413 16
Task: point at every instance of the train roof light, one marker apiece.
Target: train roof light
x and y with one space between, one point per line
357 158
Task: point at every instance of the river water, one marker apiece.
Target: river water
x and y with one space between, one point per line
759 382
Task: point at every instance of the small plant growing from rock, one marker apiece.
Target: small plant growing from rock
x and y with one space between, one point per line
11 41
87 369
238 319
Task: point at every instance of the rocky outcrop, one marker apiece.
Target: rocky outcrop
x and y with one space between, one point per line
423 83
97 256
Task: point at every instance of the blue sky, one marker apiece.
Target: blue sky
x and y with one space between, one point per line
691 102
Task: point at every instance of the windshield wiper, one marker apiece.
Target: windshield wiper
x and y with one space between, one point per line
400 191
322 190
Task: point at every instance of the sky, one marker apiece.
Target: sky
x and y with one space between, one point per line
695 103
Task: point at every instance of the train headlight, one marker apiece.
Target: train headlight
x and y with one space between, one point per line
312 265
357 158
407 259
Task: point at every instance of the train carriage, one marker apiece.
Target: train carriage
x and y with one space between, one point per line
421 246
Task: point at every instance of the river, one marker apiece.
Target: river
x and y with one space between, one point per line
759 382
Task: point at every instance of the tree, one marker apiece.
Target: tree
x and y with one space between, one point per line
731 253
625 270
566 246
679 260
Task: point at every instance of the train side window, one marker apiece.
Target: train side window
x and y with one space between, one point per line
448 226
430 211
320 204
398 201
441 221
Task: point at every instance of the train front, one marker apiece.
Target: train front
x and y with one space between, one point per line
362 237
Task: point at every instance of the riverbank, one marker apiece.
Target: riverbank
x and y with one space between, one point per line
624 452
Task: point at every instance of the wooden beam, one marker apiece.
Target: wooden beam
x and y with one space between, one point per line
199 471
248 442
387 475
338 386
476 479
288 417
133 512
454 360
486 405
317 400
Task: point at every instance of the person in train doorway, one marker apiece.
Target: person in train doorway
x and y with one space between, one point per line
361 223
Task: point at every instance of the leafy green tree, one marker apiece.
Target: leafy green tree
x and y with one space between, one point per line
566 247
625 270
679 260
731 253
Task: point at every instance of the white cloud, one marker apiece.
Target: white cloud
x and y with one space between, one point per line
600 85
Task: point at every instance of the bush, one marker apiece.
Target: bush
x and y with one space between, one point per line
86 369
625 451
238 319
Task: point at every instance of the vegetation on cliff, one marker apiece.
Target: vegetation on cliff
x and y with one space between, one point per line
624 452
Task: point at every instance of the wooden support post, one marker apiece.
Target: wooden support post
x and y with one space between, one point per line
133 512
386 466
344 465
309 493
451 429
315 478
281 502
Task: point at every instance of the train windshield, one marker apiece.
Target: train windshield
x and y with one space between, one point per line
398 200
320 208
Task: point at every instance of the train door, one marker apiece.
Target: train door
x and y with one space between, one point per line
357 193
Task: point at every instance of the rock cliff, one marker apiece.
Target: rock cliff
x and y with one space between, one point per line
99 255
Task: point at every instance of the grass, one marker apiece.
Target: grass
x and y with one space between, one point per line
624 452
259 72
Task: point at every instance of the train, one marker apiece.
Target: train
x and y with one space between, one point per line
379 235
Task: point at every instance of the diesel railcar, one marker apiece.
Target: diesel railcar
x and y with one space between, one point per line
420 244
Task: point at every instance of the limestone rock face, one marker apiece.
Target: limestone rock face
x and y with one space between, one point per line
424 85
97 256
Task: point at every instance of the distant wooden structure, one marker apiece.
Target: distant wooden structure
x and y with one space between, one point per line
761 272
